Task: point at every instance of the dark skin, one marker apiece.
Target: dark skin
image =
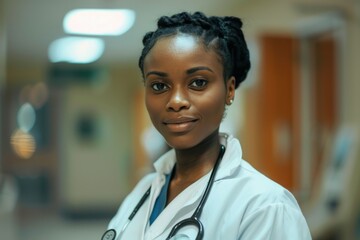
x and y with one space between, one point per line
185 95
197 162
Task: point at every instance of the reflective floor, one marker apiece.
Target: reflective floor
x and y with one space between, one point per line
49 227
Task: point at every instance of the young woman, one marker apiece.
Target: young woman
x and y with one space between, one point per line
202 188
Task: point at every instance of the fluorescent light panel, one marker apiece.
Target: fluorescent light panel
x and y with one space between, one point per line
76 50
98 21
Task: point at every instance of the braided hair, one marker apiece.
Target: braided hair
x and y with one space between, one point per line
222 34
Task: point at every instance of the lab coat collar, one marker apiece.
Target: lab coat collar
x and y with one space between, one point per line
165 163
191 196
232 159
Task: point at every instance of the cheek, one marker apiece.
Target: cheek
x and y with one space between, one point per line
213 108
153 107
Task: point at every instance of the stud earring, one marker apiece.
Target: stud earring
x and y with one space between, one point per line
231 101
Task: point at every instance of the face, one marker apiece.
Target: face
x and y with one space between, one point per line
185 92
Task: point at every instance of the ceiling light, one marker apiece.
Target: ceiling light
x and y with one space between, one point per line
98 21
76 50
26 117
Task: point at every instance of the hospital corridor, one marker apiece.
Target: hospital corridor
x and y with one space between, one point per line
76 138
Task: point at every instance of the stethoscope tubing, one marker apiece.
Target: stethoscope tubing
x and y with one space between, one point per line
198 210
136 209
193 220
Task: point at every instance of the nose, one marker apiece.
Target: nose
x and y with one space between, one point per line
178 100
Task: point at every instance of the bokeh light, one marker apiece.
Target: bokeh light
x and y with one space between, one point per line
23 144
39 95
99 21
76 50
26 117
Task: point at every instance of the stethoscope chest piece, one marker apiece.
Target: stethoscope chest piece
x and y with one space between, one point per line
109 235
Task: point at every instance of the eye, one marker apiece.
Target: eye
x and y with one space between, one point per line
199 83
158 87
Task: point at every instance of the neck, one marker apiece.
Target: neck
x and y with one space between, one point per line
193 163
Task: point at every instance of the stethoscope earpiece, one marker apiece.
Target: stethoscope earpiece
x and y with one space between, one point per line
109 235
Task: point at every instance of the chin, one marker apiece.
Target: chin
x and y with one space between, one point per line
187 141
181 142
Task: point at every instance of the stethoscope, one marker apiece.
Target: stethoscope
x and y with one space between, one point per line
194 220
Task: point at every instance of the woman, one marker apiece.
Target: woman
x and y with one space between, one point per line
191 66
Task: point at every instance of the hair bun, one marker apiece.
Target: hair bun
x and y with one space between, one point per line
184 18
223 34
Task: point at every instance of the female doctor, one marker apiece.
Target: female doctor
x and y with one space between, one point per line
202 188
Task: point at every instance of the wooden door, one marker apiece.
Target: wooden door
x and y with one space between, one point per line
277 109
274 109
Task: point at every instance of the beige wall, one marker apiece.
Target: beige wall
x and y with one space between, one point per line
101 168
2 60
2 42
352 71
104 165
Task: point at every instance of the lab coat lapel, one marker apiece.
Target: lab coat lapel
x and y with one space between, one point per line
185 203
136 227
181 207
231 161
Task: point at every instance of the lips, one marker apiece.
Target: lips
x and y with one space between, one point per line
180 124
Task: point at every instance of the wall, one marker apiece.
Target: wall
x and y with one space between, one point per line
79 167
2 59
99 166
2 42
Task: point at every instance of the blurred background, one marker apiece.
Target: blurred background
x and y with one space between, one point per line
75 137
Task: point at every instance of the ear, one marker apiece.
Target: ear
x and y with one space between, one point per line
230 90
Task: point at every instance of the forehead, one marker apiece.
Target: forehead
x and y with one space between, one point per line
181 47
182 42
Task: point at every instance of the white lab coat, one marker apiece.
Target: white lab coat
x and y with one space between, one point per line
243 204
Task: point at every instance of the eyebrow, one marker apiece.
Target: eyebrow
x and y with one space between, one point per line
189 71
195 69
157 73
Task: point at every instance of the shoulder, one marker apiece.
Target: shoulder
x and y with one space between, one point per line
139 190
262 189
270 207
145 182
251 184
275 211
162 166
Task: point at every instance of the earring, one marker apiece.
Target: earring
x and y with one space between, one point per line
231 101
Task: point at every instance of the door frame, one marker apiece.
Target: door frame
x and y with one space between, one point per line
307 29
